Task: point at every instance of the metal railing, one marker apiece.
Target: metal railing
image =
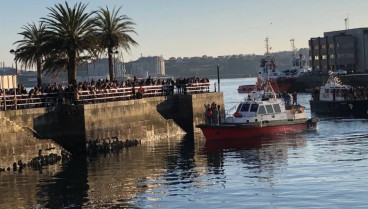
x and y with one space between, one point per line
25 101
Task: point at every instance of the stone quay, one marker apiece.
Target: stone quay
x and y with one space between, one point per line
61 129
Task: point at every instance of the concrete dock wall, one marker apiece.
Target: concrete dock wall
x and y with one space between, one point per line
132 119
18 144
72 126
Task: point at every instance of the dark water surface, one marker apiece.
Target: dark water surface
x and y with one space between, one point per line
326 168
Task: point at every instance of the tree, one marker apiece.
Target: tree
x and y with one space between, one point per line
112 30
69 32
30 48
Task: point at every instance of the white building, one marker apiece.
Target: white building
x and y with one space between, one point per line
144 66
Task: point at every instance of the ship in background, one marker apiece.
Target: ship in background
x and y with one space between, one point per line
286 81
267 71
281 81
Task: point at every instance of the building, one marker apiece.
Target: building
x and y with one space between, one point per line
99 69
345 49
147 66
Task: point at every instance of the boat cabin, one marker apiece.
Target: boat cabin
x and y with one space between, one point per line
334 92
266 109
251 109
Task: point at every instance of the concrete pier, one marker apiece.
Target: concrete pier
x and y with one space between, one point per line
72 126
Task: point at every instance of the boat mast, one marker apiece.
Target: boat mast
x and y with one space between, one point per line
268 59
267 52
293 46
293 54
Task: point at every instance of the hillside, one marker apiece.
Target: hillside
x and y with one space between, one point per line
230 66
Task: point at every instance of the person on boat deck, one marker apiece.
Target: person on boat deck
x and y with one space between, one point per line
295 98
287 99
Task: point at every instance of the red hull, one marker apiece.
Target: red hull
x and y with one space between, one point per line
246 88
232 132
280 86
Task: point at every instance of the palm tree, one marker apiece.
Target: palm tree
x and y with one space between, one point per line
69 33
30 48
113 31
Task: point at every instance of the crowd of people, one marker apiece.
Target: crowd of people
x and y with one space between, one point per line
59 93
212 112
354 93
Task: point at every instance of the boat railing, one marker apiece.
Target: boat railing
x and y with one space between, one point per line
231 111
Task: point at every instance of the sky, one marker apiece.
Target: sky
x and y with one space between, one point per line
188 28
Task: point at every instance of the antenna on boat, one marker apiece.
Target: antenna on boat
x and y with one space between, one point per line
267 52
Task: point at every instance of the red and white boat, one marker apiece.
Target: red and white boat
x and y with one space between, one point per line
261 113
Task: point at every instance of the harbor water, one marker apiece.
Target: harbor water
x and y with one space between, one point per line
323 168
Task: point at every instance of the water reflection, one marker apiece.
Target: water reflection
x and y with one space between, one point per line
265 155
141 173
67 188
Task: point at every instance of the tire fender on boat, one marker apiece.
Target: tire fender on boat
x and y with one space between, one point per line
237 115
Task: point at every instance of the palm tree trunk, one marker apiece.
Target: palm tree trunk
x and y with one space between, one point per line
111 67
39 72
72 68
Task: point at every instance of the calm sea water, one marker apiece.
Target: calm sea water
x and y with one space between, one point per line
326 168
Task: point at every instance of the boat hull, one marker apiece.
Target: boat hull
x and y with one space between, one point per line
246 88
243 131
309 82
354 108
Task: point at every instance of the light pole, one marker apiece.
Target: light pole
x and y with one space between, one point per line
123 67
218 77
15 52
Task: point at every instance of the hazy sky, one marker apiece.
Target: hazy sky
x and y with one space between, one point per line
186 28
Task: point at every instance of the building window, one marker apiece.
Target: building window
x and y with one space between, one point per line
316 57
332 56
323 46
324 57
349 55
316 47
331 46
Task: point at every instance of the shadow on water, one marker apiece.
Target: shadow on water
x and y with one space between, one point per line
122 180
68 189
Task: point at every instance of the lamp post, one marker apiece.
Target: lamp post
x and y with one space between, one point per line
218 77
123 67
15 52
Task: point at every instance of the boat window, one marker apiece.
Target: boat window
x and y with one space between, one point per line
245 107
238 109
261 110
269 108
254 108
277 108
